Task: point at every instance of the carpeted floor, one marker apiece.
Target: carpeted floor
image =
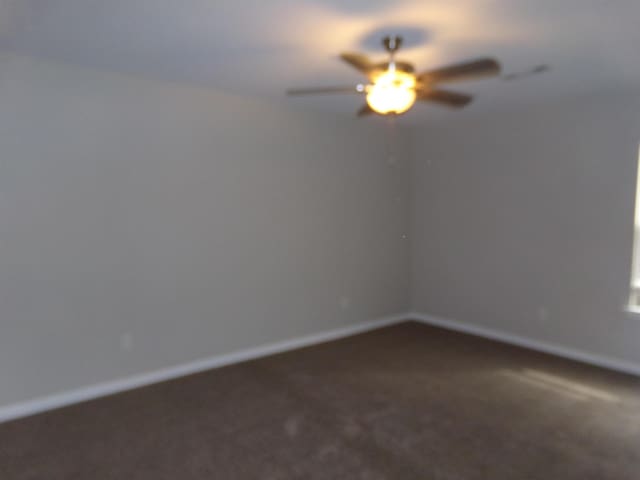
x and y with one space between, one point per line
408 402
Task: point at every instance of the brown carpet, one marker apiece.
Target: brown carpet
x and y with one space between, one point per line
408 402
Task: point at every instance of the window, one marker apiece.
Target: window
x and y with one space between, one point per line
634 300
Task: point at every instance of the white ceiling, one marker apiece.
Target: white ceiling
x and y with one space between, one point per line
261 47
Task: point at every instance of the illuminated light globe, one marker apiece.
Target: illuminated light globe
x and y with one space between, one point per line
392 92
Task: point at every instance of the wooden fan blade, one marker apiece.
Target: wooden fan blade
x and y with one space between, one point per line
526 73
446 98
324 90
482 67
358 61
365 110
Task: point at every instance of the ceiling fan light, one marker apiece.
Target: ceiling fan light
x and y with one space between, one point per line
392 92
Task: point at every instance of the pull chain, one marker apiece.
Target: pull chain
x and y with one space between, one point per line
392 140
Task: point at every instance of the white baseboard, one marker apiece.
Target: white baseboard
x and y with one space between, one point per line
38 405
558 350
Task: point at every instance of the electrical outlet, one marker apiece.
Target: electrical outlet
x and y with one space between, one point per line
126 341
543 314
345 303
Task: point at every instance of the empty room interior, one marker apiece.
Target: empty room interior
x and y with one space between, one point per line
320 239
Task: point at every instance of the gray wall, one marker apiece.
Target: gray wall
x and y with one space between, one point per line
197 222
523 222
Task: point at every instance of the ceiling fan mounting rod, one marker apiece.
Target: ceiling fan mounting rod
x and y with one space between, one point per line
392 43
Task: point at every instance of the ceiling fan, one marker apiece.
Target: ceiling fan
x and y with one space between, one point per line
393 86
